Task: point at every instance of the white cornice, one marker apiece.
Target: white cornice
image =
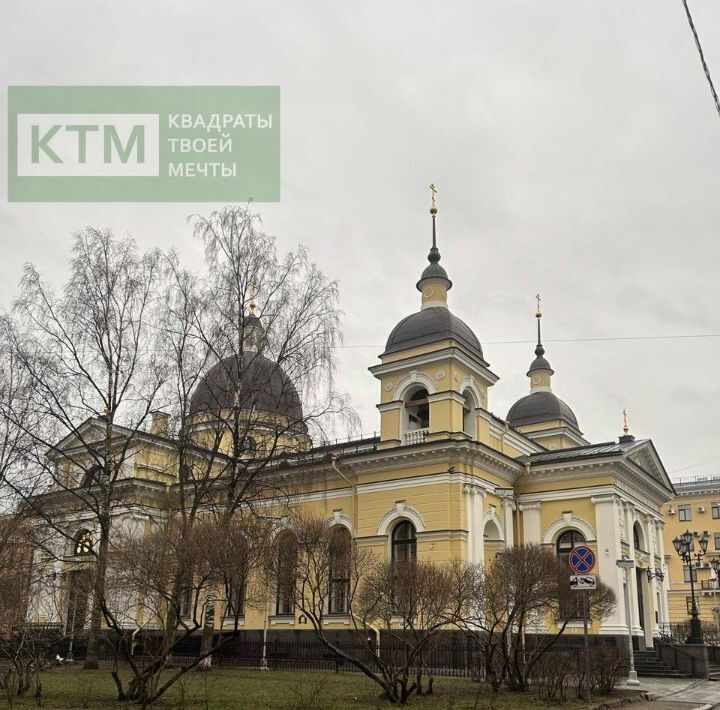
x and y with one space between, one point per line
477 367
430 479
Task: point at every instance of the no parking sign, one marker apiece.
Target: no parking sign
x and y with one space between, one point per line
582 559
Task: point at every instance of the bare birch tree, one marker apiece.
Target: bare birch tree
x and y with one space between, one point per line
89 353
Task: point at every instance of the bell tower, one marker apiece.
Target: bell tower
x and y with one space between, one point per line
433 378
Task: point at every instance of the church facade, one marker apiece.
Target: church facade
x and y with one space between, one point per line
447 479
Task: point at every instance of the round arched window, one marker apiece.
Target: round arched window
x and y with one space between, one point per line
404 542
83 543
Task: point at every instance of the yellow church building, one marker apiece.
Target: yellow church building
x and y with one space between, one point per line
446 478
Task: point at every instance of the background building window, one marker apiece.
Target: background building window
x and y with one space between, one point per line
340 549
686 573
684 513
404 542
236 603
83 543
287 560
716 511
716 537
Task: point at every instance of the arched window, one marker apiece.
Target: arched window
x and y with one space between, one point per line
570 604
92 476
287 560
638 537
339 557
83 543
404 542
250 445
418 410
469 406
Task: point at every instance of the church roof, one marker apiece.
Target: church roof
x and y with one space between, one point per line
540 407
431 325
264 387
581 452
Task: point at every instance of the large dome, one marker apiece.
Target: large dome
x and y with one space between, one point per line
431 325
264 388
540 407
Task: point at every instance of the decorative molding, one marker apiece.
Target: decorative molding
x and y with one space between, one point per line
400 511
339 518
491 515
429 479
414 378
475 365
567 522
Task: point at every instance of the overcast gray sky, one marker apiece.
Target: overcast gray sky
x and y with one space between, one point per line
574 145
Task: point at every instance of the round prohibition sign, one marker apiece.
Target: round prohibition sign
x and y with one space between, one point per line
582 559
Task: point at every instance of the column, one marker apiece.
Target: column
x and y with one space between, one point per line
629 523
607 528
508 508
651 628
469 522
479 543
665 584
532 532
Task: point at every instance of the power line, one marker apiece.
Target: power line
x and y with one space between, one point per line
702 56
575 340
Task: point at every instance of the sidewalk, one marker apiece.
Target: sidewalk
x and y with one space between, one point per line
685 693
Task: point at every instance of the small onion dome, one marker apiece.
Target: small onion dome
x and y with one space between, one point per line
432 325
540 363
540 407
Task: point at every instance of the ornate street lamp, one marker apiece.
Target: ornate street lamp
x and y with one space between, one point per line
683 545
654 574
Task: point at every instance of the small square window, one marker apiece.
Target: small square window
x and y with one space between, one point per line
684 513
716 537
686 573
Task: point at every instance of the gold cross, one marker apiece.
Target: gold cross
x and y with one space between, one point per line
537 298
433 191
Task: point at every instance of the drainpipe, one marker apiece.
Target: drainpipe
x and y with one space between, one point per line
372 628
353 487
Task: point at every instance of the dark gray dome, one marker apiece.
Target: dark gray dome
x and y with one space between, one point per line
540 407
431 325
264 388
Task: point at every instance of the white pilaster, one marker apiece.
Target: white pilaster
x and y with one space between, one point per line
508 509
532 532
629 523
607 529
479 544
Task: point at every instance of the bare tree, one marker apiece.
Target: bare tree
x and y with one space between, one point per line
522 594
412 602
222 555
89 355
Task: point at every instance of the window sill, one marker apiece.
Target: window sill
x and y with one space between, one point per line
282 619
338 618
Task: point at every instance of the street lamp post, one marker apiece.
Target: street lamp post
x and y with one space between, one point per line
684 546
626 565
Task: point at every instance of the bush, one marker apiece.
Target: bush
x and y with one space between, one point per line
553 674
607 665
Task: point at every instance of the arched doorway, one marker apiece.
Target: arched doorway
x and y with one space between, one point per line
640 577
493 541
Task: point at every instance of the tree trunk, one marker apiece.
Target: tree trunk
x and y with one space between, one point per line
91 655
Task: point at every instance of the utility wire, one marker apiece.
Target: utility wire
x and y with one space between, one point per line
702 56
575 340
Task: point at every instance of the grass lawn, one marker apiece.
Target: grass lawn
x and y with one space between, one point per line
225 689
